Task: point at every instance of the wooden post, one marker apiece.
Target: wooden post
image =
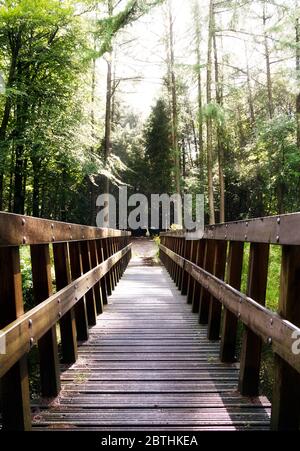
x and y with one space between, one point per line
80 308
190 289
97 286
179 270
112 271
230 321
89 297
48 352
109 275
251 344
16 415
215 307
67 323
118 265
209 258
174 246
187 256
286 390
103 281
196 285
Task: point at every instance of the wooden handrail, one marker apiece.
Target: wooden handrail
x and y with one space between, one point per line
22 334
88 263
281 229
274 330
203 264
16 230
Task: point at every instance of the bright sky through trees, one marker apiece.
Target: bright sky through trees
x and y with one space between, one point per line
141 48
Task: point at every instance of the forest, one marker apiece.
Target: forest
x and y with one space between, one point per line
200 96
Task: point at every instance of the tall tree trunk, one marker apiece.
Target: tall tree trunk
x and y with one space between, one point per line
107 140
174 101
199 88
220 131
268 65
36 168
19 173
93 187
250 93
107 143
298 73
22 108
209 124
15 49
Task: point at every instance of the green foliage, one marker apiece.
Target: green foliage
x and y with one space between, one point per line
110 26
215 112
158 155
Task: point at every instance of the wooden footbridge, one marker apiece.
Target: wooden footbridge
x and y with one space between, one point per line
145 347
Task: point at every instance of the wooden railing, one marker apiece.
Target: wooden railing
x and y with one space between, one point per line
88 263
199 268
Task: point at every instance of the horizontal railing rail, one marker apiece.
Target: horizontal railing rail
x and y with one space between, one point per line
16 230
282 229
88 263
209 271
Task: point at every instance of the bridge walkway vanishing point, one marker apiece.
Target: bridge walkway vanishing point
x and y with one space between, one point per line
148 365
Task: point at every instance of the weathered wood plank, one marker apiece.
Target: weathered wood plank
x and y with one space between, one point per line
286 390
266 324
251 343
47 343
155 368
45 315
67 323
230 321
16 230
279 230
14 386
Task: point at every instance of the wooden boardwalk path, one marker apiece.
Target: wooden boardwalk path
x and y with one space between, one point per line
148 365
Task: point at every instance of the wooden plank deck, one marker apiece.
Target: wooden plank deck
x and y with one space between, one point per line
149 366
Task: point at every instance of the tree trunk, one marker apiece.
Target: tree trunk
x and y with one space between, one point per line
90 184
199 88
250 94
15 48
18 188
174 102
298 75
220 132
107 141
209 124
268 65
36 167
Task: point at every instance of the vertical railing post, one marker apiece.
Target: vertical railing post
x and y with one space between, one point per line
80 308
119 247
16 415
174 246
187 256
109 279
90 296
113 270
230 321
251 344
97 286
103 281
215 307
190 288
196 285
67 323
48 351
286 390
209 258
179 270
